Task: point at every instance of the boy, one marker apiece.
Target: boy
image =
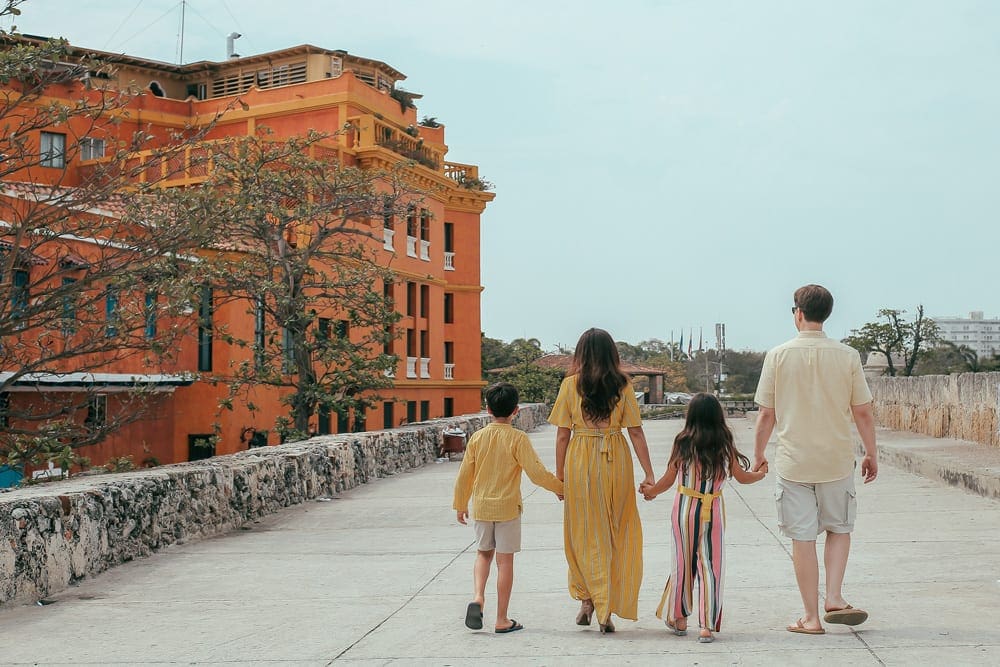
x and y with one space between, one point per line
491 474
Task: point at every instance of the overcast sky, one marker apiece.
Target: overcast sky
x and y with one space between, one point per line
666 165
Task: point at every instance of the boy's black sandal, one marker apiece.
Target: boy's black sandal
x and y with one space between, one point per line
514 625
474 616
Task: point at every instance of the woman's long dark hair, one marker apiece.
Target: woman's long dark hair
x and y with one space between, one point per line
599 378
706 440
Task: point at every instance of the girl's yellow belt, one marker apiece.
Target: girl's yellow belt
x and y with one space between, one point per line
707 500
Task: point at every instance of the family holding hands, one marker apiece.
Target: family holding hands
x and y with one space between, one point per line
811 389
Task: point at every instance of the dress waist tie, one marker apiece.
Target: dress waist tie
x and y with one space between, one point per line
707 500
602 434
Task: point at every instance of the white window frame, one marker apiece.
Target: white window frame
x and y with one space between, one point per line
91 148
51 155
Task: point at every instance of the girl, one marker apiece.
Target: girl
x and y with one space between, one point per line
703 455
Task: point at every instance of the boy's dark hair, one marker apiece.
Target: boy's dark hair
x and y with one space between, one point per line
501 399
815 302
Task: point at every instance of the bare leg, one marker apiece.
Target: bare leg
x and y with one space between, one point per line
807 576
480 573
505 582
838 547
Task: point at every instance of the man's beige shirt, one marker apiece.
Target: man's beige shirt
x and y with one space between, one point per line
812 382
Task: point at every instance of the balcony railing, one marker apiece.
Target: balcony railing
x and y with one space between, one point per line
425 367
449 371
370 131
461 173
425 251
390 372
449 261
411 367
411 246
387 236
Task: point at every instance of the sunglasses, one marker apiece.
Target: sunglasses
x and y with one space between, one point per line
794 308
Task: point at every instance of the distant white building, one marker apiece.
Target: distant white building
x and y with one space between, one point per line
975 332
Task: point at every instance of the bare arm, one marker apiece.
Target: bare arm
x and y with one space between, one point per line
864 419
669 477
746 476
638 438
765 427
562 442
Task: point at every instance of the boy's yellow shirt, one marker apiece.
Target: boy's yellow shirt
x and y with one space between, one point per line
491 473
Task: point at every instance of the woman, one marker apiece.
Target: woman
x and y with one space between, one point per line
603 536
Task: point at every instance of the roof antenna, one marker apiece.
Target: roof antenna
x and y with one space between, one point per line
230 47
180 59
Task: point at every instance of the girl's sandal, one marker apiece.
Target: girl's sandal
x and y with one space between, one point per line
674 629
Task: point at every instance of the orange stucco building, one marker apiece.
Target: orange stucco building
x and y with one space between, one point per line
434 252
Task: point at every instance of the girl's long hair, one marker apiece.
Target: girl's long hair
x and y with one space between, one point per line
599 377
706 440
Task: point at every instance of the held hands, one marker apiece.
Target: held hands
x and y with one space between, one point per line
759 463
462 516
648 488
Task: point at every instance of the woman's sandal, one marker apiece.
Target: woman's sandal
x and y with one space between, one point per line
606 627
586 611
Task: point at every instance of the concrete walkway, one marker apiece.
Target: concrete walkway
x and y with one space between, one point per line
382 574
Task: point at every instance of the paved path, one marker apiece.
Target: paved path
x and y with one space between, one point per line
382 574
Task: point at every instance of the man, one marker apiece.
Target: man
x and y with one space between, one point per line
811 388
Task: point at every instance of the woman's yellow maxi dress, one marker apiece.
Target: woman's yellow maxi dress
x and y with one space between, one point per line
602 532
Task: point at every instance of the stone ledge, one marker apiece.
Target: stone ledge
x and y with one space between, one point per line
52 535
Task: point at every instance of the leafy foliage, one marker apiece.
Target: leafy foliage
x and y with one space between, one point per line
297 251
58 269
947 358
895 337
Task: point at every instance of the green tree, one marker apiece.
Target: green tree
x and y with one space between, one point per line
517 359
534 384
742 371
947 358
299 256
495 354
895 337
60 277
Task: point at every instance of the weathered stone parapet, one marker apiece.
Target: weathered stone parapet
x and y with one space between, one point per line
52 535
944 406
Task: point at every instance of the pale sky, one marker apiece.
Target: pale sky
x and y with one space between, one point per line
667 165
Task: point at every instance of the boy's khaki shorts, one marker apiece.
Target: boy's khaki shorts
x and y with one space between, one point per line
504 536
806 510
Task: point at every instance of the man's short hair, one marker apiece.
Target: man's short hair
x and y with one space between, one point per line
501 399
815 302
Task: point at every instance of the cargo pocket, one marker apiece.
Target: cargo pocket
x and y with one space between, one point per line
777 505
852 507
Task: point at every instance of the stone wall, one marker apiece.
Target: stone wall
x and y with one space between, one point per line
944 406
52 535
